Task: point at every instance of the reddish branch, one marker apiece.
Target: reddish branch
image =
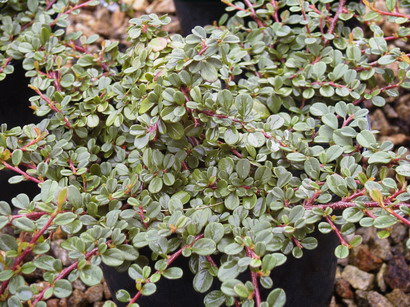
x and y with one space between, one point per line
372 7
19 260
82 49
253 14
254 276
337 231
51 104
170 260
142 216
6 62
62 275
276 8
335 18
19 171
31 215
76 7
349 204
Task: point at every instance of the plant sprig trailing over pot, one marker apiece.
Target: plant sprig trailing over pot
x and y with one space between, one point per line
234 143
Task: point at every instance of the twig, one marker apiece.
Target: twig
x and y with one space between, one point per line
170 260
337 231
63 274
76 7
336 18
51 104
372 7
19 171
18 261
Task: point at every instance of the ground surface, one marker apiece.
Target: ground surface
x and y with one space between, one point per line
377 274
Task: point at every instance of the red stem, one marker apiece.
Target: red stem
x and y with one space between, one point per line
336 18
76 7
50 104
6 62
19 260
253 14
254 275
170 260
348 204
19 171
63 274
337 231
276 8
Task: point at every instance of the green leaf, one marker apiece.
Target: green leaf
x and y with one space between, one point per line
7 242
25 224
366 138
17 156
404 170
330 120
173 273
62 288
214 298
243 168
148 289
384 221
277 298
6 275
241 290
214 231
155 185
202 281
204 247
296 156
209 72
341 251
123 296
158 43
24 293
91 275
231 136
65 218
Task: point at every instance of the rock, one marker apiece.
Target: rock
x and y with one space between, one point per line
375 299
367 233
399 233
361 298
343 289
379 122
397 274
349 303
77 299
107 293
403 110
60 253
380 278
358 279
333 302
381 248
371 299
161 6
396 139
398 298
63 302
364 259
173 26
78 284
138 5
98 304
94 293
53 302
390 111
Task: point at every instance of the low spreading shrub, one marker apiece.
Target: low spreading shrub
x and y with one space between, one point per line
234 142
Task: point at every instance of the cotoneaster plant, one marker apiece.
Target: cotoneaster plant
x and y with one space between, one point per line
234 142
